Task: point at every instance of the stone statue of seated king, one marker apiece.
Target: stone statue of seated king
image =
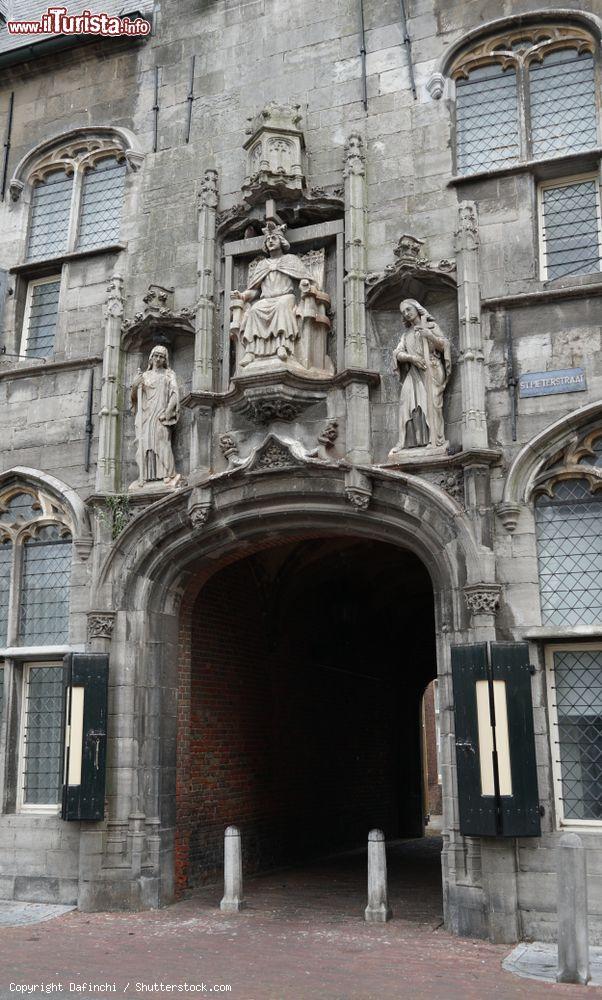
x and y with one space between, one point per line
273 328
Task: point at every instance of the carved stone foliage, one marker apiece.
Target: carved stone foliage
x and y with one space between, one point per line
199 506
100 624
453 484
580 458
274 454
274 153
358 489
410 270
482 598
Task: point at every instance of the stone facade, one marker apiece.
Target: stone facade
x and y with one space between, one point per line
286 452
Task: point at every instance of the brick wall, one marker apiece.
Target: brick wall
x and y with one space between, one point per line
299 750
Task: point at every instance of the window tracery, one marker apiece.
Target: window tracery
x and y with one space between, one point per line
525 94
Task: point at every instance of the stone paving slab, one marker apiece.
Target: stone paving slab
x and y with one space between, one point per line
539 961
14 913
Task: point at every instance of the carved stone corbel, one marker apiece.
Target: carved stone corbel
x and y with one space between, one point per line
358 489
100 624
508 514
482 598
199 506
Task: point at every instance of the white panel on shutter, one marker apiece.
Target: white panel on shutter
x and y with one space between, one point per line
487 119
102 198
563 103
50 209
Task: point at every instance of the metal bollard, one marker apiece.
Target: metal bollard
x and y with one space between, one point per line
378 910
232 901
573 943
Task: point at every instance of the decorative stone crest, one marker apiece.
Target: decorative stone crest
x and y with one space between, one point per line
100 624
158 320
408 253
482 598
199 506
411 268
274 153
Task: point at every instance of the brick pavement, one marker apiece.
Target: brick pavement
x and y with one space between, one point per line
302 936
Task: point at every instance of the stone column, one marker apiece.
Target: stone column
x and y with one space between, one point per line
471 360
573 940
202 376
108 467
357 393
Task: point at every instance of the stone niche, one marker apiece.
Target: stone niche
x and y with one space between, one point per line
411 275
157 323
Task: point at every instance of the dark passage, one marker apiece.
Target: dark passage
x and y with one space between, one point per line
308 665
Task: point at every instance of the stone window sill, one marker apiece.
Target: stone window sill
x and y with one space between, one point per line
544 169
559 634
48 265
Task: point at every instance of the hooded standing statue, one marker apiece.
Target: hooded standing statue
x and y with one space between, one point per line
270 324
423 360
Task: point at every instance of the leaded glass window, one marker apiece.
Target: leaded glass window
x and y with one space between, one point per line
6 562
35 569
77 197
569 551
50 211
570 228
42 747
576 700
525 94
487 119
41 316
44 605
563 104
102 198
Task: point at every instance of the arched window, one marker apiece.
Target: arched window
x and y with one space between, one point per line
525 94
35 569
76 199
568 518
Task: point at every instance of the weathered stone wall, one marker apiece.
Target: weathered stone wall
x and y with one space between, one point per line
246 55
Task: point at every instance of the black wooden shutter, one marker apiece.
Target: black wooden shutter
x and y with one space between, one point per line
478 813
90 673
491 815
520 811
